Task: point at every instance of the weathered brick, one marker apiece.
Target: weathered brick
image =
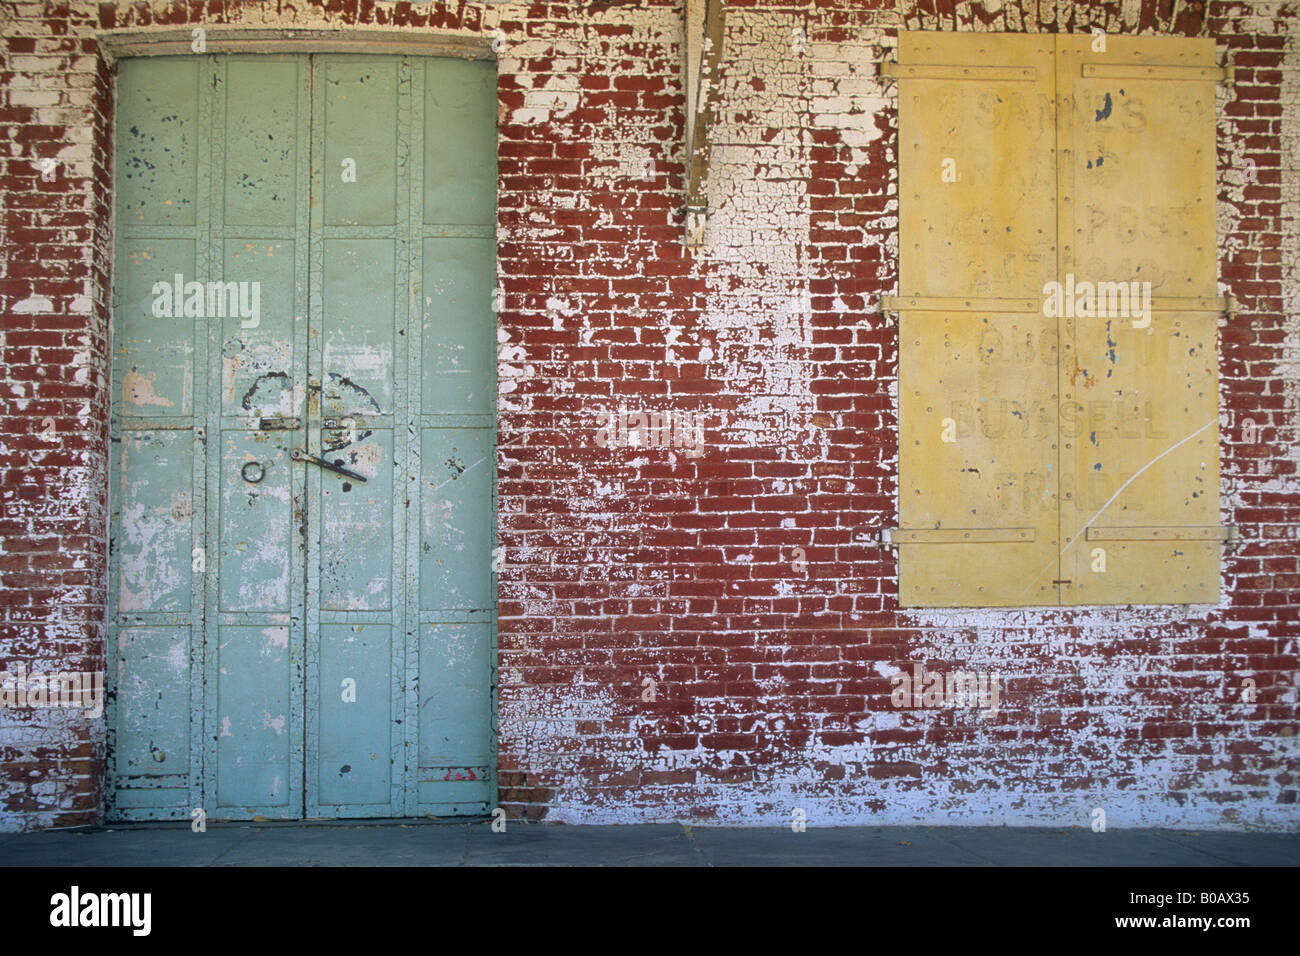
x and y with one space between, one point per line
771 680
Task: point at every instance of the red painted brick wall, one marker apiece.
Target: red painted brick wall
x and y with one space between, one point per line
55 183
770 686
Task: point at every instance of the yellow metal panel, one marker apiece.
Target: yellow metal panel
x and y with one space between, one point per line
1146 426
1031 167
978 427
977 359
1139 387
1143 165
976 169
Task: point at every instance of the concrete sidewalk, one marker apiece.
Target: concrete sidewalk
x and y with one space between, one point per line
428 843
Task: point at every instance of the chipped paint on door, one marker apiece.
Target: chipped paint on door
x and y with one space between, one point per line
293 640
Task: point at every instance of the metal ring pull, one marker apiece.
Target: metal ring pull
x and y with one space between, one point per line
257 468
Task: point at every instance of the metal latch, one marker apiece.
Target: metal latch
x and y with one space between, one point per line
890 69
300 455
278 423
961 535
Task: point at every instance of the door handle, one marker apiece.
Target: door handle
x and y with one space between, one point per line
300 455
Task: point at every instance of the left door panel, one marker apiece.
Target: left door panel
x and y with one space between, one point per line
206 518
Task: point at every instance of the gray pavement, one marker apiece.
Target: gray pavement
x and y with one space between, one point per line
429 843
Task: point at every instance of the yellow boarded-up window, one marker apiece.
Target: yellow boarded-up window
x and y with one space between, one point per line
1058 370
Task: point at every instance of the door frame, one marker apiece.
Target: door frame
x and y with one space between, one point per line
115 44
134 42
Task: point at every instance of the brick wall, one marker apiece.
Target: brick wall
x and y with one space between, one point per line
768 665
55 181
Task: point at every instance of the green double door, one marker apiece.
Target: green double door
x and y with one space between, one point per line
302 507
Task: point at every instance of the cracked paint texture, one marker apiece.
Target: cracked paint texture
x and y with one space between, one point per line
771 679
